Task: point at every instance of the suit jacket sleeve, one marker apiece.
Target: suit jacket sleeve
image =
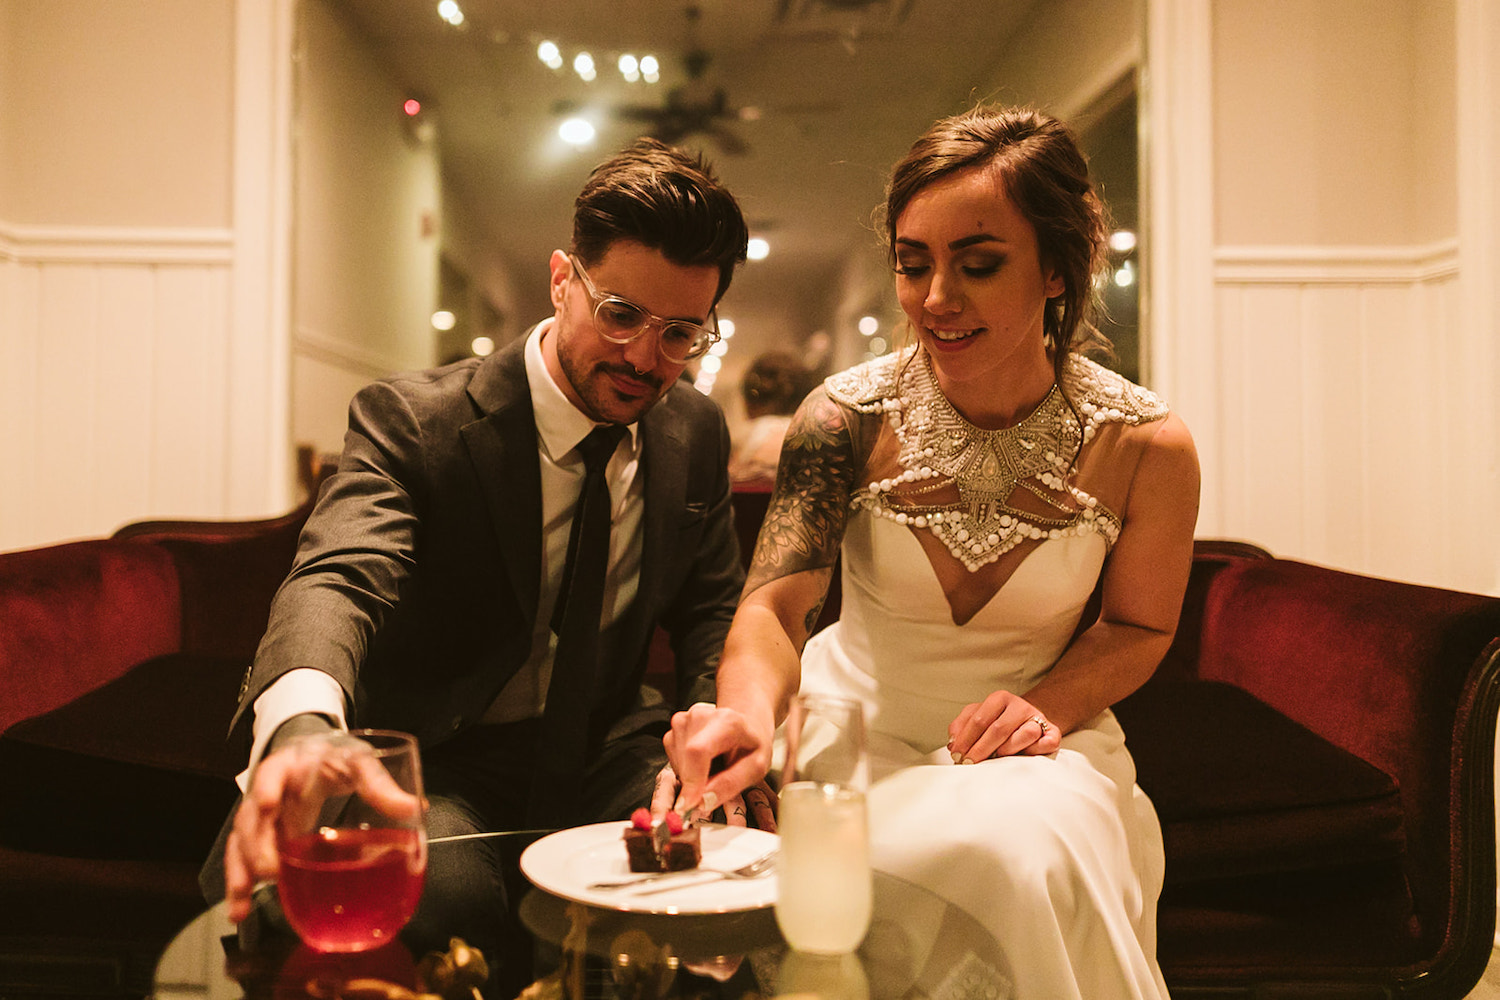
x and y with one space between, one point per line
355 554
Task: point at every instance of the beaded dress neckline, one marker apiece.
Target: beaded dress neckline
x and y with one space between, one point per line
992 471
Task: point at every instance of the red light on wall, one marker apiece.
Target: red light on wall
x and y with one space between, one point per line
412 107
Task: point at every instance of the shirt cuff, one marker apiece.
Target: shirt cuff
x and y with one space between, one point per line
293 693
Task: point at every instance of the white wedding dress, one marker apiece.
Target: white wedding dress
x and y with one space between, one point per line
1059 856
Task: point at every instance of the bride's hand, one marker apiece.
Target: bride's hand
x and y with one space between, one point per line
703 734
755 806
1000 726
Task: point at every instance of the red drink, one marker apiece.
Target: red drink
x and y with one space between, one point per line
351 889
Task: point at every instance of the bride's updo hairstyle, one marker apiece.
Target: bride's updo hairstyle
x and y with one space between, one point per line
1047 178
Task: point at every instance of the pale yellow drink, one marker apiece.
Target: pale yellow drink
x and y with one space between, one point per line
824 868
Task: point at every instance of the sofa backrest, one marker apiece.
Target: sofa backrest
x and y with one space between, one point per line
1373 666
227 572
75 616
1354 652
1210 557
78 615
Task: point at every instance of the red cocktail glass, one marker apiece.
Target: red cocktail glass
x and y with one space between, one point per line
354 846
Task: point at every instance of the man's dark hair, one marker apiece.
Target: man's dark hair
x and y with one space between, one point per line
661 197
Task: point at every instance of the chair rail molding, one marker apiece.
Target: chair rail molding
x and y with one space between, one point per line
1337 265
27 244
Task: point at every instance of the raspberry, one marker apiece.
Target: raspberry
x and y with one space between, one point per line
641 819
674 823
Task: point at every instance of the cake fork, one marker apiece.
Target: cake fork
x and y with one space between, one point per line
752 869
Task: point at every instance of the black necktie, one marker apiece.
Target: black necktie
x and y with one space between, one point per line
563 745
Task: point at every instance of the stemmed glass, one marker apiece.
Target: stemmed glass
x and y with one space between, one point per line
352 840
825 892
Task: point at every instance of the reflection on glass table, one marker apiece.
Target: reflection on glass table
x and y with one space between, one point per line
918 947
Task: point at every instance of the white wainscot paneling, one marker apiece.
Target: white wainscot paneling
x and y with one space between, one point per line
1338 431
115 382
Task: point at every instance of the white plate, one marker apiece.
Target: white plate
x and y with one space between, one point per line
566 863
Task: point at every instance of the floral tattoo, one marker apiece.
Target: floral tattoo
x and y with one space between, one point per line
805 520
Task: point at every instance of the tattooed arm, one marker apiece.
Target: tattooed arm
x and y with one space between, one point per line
784 593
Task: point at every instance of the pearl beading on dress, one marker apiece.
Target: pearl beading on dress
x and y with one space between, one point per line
939 447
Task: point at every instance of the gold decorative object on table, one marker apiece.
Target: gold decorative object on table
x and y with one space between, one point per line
455 974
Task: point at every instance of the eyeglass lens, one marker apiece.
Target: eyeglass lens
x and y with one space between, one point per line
622 321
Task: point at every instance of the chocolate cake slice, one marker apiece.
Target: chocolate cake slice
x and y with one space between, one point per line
683 850
668 846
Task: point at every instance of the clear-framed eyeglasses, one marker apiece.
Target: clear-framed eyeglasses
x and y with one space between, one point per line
620 321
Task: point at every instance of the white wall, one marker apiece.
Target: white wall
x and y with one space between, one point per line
1315 115
367 230
1310 320
137 274
1069 53
133 126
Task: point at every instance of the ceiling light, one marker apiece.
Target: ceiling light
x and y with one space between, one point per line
1122 240
583 65
868 325
548 53
412 107
709 364
482 347
630 67
444 320
757 249
650 69
704 383
1125 276
448 11
576 132
726 328
878 346
719 348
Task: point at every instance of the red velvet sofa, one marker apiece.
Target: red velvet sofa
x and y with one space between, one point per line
1319 745
120 661
1320 749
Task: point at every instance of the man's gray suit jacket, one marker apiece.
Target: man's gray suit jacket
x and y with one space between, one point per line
417 575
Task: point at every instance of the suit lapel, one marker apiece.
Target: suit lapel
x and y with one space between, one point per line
664 464
502 447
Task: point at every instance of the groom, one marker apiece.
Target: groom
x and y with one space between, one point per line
424 592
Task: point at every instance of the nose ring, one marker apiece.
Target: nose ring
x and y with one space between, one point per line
640 371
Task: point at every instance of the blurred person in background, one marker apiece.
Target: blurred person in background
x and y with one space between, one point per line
773 386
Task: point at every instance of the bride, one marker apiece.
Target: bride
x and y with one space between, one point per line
979 483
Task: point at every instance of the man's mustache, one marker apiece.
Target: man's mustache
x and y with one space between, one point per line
629 371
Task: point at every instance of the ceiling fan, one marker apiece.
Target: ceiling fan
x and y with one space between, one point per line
695 107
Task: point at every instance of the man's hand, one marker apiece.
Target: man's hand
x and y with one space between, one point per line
704 733
288 792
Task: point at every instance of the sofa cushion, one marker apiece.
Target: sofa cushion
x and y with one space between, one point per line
1243 790
136 769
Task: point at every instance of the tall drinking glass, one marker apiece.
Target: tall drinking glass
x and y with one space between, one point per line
825 895
352 840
